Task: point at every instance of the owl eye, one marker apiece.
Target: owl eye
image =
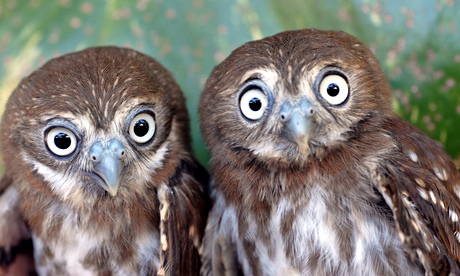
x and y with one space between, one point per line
334 89
253 103
142 128
61 141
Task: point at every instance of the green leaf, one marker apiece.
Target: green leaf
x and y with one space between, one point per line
416 43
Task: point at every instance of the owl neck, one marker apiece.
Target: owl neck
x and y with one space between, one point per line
241 174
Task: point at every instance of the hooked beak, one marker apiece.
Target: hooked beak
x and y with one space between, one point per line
297 122
107 159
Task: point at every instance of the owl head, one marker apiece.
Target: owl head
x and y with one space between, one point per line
292 97
98 123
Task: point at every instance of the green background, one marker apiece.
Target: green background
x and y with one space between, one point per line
417 43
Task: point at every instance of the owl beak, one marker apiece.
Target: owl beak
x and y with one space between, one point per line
297 121
107 159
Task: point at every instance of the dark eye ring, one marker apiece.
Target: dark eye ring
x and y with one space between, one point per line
142 128
253 103
334 89
61 141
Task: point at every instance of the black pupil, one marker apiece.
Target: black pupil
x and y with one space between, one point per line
141 128
62 140
333 89
255 104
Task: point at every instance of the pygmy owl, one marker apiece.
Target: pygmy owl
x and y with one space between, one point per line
314 174
99 168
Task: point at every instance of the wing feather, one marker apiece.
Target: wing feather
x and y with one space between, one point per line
184 206
418 182
16 252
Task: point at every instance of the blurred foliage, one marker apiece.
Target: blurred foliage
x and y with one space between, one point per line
415 41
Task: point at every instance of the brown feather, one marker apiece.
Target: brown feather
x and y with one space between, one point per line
97 91
351 205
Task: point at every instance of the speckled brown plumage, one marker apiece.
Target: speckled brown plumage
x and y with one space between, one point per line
80 221
313 173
